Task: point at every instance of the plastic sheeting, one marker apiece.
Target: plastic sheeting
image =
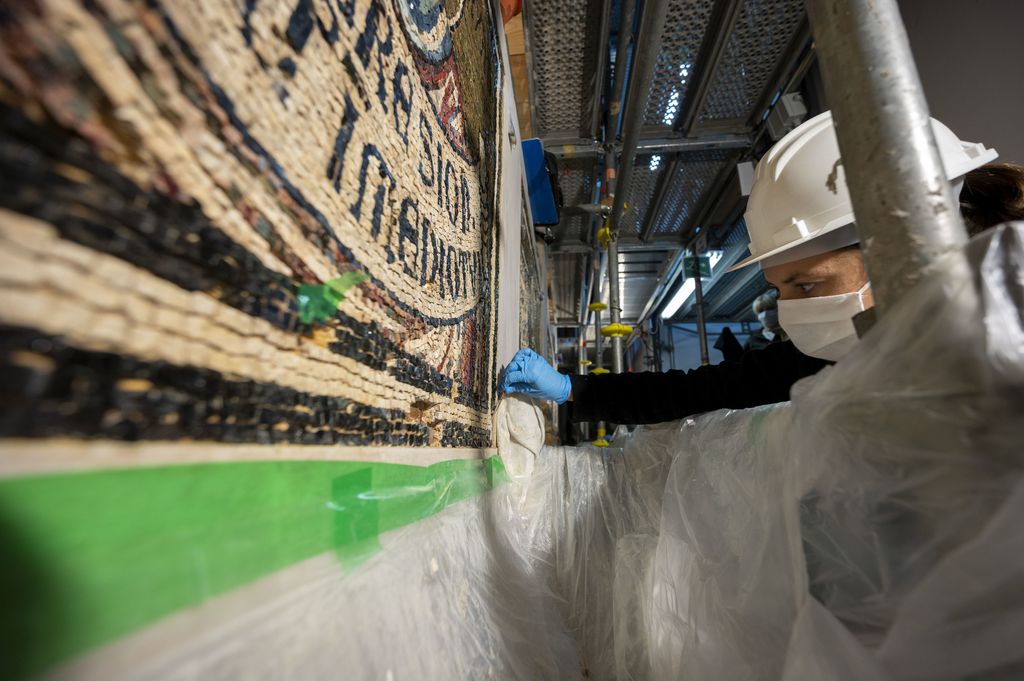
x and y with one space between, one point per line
865 530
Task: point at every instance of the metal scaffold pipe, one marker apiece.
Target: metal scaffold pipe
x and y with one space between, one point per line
698 302
906 213
596 307
614 306
648 45
583 362
626 18
598 345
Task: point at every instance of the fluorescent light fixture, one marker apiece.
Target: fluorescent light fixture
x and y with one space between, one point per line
679 298
688 287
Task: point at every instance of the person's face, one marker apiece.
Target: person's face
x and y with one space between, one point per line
828 274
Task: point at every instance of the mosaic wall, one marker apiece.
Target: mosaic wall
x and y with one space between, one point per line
247 221
532 296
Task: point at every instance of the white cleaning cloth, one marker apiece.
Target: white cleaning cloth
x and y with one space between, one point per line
519 434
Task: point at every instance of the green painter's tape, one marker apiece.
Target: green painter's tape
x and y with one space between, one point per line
320 301
88 557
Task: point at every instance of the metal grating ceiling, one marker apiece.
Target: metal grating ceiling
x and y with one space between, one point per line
563 45
738 305
737 235
762 32
641 193
695 172
576 180
573 229
566 286
680 44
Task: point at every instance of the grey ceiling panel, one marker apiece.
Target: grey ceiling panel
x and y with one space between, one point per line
638 277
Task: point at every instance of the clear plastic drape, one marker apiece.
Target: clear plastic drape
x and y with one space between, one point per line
868 529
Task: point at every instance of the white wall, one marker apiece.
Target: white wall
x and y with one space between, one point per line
968 53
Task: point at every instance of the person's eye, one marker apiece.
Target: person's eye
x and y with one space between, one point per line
805 288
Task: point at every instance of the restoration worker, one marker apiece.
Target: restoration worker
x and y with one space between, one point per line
802 235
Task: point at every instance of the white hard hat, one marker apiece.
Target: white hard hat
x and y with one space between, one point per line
799 205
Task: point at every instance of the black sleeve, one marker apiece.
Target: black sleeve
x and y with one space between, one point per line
761 377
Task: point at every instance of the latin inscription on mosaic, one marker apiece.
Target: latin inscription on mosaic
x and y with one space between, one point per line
248 221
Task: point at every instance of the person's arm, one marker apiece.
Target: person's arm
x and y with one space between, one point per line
762 377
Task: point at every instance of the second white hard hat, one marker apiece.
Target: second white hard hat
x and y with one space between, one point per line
799 205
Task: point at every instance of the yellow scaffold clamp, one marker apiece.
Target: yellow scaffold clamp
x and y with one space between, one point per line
600 441
597 307
598 371
604 236
616 330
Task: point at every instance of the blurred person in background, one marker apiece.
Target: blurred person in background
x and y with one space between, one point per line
766 308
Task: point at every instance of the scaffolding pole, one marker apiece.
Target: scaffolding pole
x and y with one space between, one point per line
596 307
614 304
645 57
625 39
698 292
906 214
583 362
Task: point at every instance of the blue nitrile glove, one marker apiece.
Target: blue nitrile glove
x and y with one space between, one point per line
530 374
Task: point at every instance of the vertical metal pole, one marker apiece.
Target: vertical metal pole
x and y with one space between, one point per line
652 25
610 182
614 306
599 360
907 216
671 348
581 350
584 289
582 363
600 77
626 19
657 343
698 291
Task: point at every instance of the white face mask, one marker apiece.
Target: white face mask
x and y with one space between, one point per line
823 327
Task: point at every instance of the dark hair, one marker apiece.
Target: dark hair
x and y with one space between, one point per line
992 194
